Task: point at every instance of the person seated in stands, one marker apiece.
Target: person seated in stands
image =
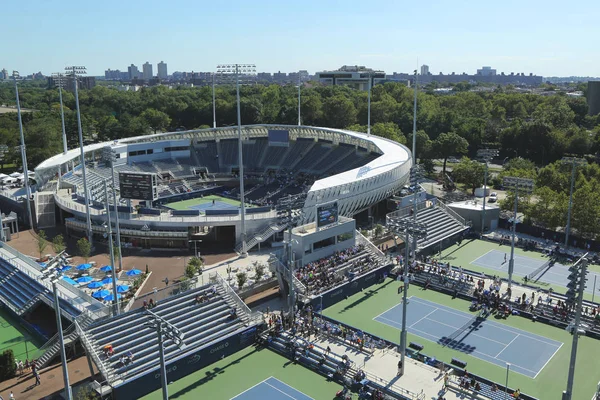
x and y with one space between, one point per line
108 350
213 291
494 388
151 304
516 394
232 314
145 305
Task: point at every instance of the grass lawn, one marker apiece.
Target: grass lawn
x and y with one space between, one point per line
185 204
360 309
15 337
232 375
470 250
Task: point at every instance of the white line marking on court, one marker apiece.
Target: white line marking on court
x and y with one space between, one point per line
250 388
392 307
481 256
492 323
471 334
281 391
509 343
291 387
424 317
552 356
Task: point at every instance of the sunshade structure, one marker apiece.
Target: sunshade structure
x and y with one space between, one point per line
122 288
84 267
133 272
95 285
110 297
65 268
69 280
106 268
85 279
100 294
106 281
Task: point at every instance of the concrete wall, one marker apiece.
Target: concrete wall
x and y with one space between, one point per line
303 244
593 97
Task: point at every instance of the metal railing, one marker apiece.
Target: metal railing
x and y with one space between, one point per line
368 244
52 342
278 266
393 387
92 352
452 213
229 290
406 211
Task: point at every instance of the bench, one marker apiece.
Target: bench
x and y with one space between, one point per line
459 363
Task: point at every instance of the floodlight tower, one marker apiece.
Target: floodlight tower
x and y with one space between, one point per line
214 103
59 82
369 105
23 152
116 204
299 104
486 155
235 70
74 72
116 307
52 274
168 331
408 228
574 162
525 186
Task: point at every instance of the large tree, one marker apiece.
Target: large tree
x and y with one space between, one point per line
157 120
469 172
449 144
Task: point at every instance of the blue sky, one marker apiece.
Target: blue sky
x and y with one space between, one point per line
544 37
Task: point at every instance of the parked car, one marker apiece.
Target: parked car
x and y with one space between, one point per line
493 197
453 160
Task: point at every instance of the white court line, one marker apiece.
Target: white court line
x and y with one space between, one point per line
506 347
473 334
481 256
281 391
552 356
494 324
291 387
394 306
413 324
250 388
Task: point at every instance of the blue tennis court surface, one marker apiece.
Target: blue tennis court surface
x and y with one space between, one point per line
482 338
556 275
271 389
218 205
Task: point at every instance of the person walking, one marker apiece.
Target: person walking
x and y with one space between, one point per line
399 367
36 375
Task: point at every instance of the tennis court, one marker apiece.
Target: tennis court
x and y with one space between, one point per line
15 337
487 340
272 389
212 202
524 266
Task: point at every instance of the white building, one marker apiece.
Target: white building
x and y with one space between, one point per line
147 68
133 71
354 76
424 69
162 70
486 71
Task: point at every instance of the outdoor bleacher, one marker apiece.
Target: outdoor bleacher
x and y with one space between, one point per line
206 154
252 153
200 322
229 151
296 150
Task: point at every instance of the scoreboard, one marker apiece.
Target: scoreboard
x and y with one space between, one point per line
137 186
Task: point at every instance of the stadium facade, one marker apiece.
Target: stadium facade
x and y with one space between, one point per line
351 168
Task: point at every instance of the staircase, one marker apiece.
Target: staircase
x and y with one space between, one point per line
260 237
51 348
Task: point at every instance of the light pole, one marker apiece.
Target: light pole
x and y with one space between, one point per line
299 104
506 384
409 228
486 155
236 70
525 185
52 274
59 81
116 308
575 162
116 205
577 278
23 153
195 246
74 71
164 329
415 175
369 105
214 103
414 138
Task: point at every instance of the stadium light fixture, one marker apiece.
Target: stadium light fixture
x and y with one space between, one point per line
417 230
52 274
116 307
516 184
116 204
486 155
574 162
414 138
245 71
74 72
23 152
214 102
165 331
59 82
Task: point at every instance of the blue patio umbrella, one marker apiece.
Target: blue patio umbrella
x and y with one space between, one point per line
85 279
83 267
110 297
106 281
65 268
43 264
100 294
95 285
133 272
106 268
122 288
69 280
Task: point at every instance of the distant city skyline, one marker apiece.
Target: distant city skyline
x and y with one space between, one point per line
541 37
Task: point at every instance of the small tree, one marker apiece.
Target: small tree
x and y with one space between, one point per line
42 242
229 271
58 244
241 278
259 271
196 263
378 230
147 270
190 271
8 368
84 248
116 250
